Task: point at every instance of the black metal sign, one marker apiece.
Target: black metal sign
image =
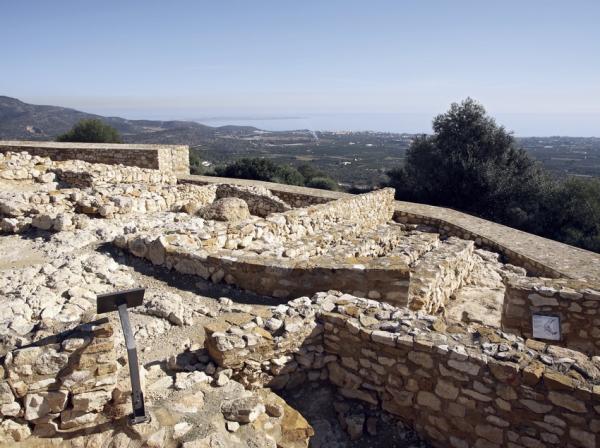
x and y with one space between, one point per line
120 301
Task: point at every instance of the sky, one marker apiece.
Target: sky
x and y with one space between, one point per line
381 65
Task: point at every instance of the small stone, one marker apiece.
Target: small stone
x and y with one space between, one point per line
181 429
221 380
232 426
274 409
242 410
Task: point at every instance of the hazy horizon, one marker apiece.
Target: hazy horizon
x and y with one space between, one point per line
410 123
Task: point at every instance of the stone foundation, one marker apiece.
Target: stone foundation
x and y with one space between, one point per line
576 303
439 273
459 389
60 383
166 158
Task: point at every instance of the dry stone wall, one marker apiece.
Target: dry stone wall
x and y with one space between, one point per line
60 383
364 211
448 229
576 303
76 173
260 200
59 195
167 158
346 243
475 388
439 273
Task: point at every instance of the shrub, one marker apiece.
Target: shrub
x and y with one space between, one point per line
324 183
472 164
261 169
91 131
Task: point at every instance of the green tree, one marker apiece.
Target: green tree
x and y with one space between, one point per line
472 164
324 183
91 131
309 171
574 212
261 169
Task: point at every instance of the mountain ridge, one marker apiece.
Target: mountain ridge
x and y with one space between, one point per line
25 121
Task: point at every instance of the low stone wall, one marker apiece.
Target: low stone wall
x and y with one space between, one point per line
294 196
167 158
261 202
285 278
60 383
540 256
363 211
457 390
439 273
576 303
77 173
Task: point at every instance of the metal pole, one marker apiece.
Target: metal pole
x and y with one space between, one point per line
137 396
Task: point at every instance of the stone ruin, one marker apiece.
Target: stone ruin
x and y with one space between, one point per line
426 334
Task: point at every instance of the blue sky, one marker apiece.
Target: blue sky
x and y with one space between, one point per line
535 65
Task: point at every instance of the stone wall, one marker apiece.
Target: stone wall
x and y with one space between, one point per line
576 303
540 256
439 273
80 174
60 383
459 389
290 194
167 158
363 211
261 202
291 275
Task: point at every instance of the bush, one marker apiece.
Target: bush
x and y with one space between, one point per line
261 169
91 131
574 212
324 183
267 170
315 178
472 164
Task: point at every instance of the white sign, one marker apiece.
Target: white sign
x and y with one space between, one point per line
546 327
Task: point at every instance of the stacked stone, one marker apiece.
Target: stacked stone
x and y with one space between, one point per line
439 273
448 229
18 209
280 352
174 158
576 303
468 387
22 166
139 198
58 384
254 256
77 173
42 206
298 198
261 202
168 158
365 210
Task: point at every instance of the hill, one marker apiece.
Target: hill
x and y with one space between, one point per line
19 120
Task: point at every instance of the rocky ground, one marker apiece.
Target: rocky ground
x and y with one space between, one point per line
183 394
63 257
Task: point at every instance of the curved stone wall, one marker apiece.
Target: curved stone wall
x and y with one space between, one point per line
459 389
538 255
